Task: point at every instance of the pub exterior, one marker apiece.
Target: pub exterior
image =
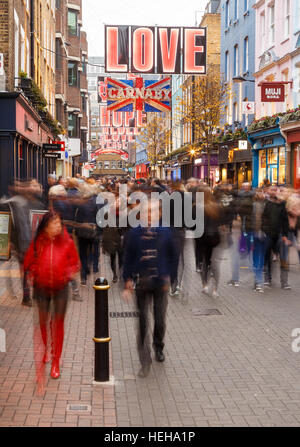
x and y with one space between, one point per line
22 135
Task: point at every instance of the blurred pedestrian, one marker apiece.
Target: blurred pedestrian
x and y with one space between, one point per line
51 262
149 258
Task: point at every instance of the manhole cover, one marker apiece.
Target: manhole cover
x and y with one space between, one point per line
81 408
124 314
206 312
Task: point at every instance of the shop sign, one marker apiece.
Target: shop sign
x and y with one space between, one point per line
136 49
272 92
243 145
51 148
266 142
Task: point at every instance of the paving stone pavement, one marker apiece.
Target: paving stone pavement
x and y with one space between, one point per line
233 369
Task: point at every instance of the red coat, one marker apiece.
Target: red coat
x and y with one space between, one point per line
51 262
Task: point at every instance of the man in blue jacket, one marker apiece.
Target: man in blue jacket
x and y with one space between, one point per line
149 260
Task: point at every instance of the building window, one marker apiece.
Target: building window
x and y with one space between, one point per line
246 54
263 30
227 14
287 18
236 61
72 74
236 9
94 136
226 66
72 125
106 165
58 54
272 24
235 111
73 22
83 102
120 164
94 122
246 5
83 64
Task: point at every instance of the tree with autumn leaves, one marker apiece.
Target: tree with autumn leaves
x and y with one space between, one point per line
155 135
201 107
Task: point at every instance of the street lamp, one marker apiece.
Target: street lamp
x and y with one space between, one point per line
239 79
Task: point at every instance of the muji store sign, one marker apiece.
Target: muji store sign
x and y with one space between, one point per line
148 49
272 92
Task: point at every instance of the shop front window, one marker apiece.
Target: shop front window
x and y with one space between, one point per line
262 166
282 166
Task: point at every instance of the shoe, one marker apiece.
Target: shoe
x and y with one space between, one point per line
267 283
233 283
144 371
159 355
27 302
83 282
259 289
55 373
286 287
205 290
215 294
115 278
174 292
77 297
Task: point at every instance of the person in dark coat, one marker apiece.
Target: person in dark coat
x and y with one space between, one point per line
275 225
149 259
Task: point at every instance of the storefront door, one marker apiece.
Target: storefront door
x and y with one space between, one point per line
273 174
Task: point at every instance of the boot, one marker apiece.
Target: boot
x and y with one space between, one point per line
58 340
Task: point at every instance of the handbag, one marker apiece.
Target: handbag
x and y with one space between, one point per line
86 231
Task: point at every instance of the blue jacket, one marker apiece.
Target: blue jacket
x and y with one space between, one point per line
149 252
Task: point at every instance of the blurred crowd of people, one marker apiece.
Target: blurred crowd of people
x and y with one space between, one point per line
257 226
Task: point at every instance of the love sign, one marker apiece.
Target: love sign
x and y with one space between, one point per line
148 49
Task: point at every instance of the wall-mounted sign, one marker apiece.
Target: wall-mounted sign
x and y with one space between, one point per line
52 148
248 107
266 142
243 145
176 49
272 92
139 94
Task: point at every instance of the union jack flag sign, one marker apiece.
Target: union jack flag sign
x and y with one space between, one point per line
139 94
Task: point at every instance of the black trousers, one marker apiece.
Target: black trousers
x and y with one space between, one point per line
158 298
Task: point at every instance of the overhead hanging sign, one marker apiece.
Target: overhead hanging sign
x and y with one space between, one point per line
176 50
103 151
248 107
272 92
122 119
139 94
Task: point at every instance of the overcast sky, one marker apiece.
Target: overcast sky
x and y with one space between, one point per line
136 12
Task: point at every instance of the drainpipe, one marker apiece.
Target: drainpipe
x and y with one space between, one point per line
32 39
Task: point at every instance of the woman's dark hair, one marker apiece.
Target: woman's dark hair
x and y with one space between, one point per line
45 221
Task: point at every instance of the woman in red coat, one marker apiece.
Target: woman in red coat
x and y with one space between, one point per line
51 262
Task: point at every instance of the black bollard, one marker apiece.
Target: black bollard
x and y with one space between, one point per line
102 338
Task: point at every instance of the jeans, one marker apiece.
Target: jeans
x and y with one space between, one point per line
259 249
235 254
